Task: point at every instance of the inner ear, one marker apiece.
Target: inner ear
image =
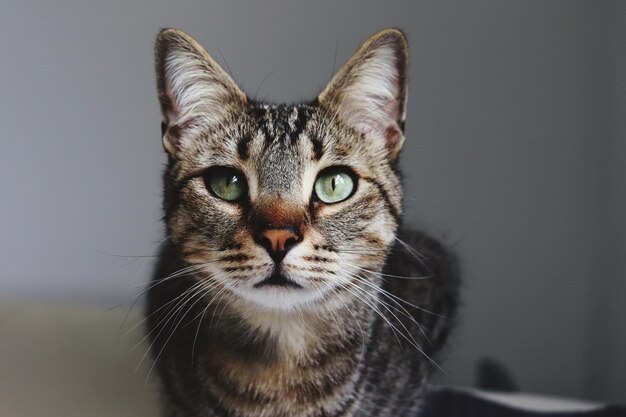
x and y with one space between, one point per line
369 93
194 91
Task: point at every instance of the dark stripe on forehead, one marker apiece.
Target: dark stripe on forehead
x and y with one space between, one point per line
278 123
318 148
258 112
395 211
260 115
243 146
300 124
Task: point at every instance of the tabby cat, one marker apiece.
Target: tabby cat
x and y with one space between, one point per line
284 288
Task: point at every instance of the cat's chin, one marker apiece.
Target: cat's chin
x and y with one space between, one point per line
281 296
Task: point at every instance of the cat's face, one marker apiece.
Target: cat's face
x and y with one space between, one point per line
283 206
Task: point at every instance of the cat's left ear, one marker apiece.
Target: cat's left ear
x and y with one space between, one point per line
369 92
194 91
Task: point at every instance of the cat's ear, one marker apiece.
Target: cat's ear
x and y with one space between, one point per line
369 92
194 91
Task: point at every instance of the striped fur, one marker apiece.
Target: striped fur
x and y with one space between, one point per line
349 340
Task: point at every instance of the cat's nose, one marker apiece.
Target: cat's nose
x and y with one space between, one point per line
278 241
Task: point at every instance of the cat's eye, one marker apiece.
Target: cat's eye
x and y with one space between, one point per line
226 183
334 185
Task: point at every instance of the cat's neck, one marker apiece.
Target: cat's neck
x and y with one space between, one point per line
295 336
293 360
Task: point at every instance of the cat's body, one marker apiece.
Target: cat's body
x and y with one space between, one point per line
269 299
225 370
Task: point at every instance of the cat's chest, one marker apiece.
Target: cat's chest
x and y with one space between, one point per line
289 386
294 362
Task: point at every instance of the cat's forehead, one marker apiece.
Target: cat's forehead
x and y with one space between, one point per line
282 143
283 128
280 122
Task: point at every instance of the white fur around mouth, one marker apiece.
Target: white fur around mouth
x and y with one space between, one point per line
279 297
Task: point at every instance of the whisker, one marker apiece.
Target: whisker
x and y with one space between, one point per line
381 274
177 274
333 316
400 309
195 338
200 295
373 307
395 297
340 298
410 339
388 310
255 95
416 254
178 300
173 313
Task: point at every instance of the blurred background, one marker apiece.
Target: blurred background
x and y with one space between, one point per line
515 157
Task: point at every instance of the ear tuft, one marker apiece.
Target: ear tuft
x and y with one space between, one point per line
194 91
369 92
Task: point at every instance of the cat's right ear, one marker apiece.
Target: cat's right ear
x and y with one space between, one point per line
194 91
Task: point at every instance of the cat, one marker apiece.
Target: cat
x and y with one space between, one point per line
285 287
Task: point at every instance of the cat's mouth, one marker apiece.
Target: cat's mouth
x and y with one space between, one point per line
277 280
278 291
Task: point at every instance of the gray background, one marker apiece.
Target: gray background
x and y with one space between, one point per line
515 156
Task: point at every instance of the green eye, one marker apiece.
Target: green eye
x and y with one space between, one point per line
226 183
334 185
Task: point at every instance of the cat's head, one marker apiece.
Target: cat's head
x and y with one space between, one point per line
283 206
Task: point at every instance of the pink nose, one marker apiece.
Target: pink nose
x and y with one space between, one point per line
278 241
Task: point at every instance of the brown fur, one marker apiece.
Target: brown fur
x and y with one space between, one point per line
350 340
